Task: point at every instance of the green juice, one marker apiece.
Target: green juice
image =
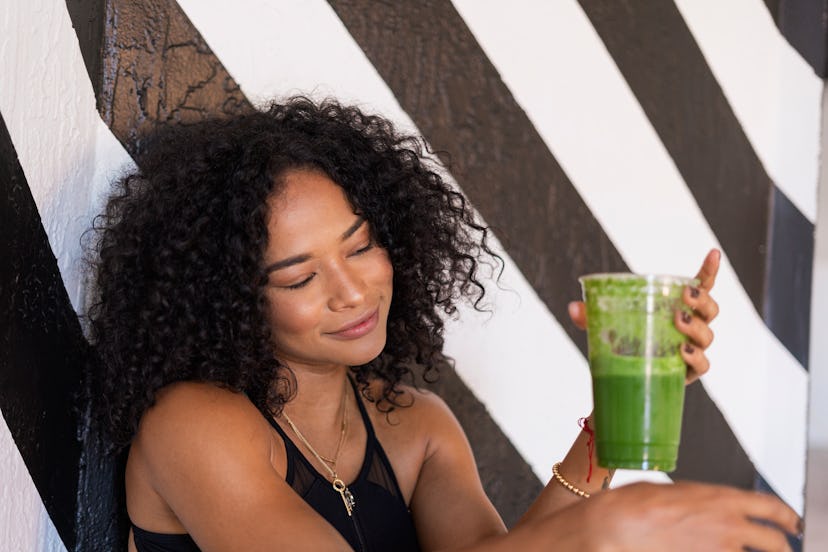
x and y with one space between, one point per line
637 370
637 411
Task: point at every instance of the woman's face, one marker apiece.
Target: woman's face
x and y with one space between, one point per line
329 283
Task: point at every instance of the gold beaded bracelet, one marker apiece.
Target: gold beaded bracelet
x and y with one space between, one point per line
569 486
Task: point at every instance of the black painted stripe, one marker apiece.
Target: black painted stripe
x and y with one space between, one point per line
773 7
445 82
88 20
665 69
805 26
157 68
790 268
42 349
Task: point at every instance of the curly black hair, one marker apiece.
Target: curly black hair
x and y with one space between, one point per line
178 255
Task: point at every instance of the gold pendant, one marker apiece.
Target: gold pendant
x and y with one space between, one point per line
347 498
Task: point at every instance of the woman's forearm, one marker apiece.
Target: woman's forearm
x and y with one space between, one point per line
575 468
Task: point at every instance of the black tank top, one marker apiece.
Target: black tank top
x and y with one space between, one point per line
381 520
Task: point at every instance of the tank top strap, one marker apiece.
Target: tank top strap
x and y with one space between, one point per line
291 451
300 472
366 420
374 447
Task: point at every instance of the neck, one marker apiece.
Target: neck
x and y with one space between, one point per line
318 400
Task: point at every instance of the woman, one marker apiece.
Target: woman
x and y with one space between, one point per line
266 284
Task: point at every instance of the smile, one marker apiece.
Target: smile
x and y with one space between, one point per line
359 327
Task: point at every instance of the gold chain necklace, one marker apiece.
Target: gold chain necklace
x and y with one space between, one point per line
330 463
343 431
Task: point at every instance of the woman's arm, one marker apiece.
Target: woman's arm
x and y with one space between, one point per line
452 513
206 453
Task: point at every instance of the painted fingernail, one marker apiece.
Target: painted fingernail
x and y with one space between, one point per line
685 317
800 526
689 349
694 292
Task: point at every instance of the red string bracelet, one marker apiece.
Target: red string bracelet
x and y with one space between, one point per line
584 423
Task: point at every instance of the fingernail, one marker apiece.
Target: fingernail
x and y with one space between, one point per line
685 317
694 292
689 349
800 526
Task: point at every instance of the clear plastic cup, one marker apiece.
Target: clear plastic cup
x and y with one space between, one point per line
637 370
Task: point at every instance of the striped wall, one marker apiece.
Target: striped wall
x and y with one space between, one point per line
591 136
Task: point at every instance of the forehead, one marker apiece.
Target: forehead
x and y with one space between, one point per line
308 207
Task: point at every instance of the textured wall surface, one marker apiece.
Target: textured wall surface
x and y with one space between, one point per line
158 69
564 123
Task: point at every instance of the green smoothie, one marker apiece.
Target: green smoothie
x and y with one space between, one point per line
638 423
637 370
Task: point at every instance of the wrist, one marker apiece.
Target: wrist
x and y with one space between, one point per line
580 466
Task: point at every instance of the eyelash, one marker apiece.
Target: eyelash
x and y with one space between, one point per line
303 283
364 249
307 280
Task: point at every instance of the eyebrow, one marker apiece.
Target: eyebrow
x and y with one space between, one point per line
297 259
353 228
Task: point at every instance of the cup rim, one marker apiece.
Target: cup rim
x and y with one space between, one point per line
647 278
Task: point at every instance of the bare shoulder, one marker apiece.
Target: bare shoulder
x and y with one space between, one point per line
424 402
190 421
420 425
188 398
418 410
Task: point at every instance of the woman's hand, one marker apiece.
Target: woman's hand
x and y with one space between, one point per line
695 326
689 516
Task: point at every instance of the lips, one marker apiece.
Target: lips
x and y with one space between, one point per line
358 327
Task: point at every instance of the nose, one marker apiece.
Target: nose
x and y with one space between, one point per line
347 288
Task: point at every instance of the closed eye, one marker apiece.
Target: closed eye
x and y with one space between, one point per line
364 249
301 284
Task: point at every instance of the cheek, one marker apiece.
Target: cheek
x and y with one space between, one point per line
290 316
384 273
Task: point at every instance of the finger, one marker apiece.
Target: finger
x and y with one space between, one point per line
696 360
769 508
695 328
709 269
760 536
701 302
577 312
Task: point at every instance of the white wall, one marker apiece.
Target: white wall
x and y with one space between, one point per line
818 415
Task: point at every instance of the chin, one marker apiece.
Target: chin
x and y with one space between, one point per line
365 352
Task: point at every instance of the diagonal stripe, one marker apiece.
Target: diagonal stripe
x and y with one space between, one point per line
769 87
68 156
442 78
804 25
88 19
27 525
653 48
594 116
172 77
790 273
42 350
